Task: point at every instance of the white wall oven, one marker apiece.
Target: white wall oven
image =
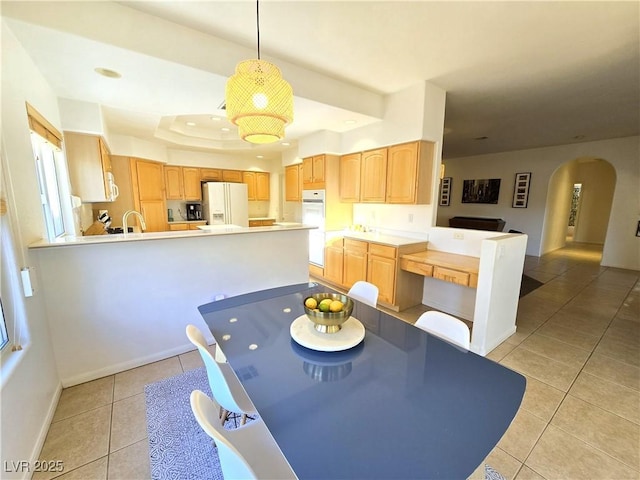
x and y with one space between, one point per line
313 213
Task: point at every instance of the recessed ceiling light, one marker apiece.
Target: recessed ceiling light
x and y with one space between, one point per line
191 124
285 144
349 122
225 129
259 156
215 119
105 72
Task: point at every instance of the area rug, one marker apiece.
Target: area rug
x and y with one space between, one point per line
178 448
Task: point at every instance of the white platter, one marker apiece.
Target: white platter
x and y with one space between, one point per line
303 332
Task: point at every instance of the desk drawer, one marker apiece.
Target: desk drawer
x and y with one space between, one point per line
453 276
382 250
416 267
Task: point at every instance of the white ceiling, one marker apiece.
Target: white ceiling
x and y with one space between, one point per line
523 74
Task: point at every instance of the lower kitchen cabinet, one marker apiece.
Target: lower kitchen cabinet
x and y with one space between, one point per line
381 272
355 261
155 215
348 260
334 261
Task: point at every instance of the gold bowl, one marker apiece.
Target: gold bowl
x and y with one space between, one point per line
329 322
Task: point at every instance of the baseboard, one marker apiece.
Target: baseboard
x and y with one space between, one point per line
44 430
128 365
498 341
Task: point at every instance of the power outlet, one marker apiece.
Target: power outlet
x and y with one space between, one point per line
411 218
458 235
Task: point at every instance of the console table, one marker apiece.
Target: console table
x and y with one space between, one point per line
478 223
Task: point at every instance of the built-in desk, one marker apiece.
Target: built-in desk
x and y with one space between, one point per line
449 267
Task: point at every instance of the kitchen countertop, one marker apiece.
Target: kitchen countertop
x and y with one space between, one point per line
137 237
383 238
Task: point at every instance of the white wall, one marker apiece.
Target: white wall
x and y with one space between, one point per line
115 325
79 116
598 179
621 248
29 394
558 206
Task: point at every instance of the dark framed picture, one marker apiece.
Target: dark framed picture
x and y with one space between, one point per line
521 190
445 192
481 191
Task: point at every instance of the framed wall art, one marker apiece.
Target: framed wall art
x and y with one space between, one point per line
521 190
481 191
445 191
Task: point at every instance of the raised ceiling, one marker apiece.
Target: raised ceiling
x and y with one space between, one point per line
521 74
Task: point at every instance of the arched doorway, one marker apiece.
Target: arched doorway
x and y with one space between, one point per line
597 178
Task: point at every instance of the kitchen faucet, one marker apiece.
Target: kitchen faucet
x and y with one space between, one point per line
125 229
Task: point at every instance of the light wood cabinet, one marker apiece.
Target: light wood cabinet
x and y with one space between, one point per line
182 183
292 180
349 260
173 182
313 172
234 176
381 271
410 173
355 261
257 185
89 164
210 174
262 222
373 176
263 186
350 177
147 178
250 179
334 261
401 174
185 226
178 226
192 186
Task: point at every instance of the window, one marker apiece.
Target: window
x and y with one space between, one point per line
47 158
4 338
46 142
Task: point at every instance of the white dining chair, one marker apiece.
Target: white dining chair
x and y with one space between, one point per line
365 292
225 386
246 452
446 327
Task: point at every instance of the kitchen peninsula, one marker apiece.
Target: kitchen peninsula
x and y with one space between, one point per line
115 302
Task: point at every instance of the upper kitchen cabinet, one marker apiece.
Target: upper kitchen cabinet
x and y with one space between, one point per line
350 177
410 173
234 176
182 183
89 164
211 174
313 172
263 186
373 176
173 182
292 176
257 184
192 187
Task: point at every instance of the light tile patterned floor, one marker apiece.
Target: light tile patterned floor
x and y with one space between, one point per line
578 343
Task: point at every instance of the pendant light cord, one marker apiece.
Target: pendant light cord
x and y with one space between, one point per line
258 25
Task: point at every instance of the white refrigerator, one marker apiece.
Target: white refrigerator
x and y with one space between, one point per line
225 203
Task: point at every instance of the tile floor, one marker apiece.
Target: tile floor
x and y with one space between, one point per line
577 342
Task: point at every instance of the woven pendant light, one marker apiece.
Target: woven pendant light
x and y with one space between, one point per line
258 100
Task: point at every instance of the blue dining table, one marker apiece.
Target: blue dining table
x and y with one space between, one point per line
402 404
